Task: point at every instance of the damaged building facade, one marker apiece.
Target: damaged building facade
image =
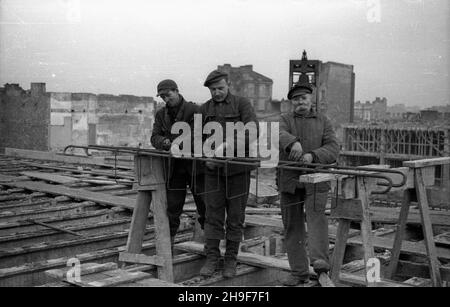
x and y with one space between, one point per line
40 120
248 83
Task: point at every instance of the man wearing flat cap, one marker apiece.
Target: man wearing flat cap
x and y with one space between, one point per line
180 173
306 137
226 186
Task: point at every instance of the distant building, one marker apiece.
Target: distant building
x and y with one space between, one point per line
336 93
40 120
436 114
397 111
430 115
334 88
370 111
248 83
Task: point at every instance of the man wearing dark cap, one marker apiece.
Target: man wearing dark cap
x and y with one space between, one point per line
226 188
180 173
307 137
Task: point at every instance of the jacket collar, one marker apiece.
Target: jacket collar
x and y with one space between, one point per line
180 112
228 99
310 114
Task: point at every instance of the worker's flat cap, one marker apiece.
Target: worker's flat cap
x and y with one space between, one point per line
214 76
298 89
166 85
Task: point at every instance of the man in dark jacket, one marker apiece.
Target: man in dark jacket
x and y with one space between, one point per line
226 189
308 137
180 173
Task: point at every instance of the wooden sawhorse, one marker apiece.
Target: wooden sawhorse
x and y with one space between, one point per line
363 186
421 175
151 189
353 205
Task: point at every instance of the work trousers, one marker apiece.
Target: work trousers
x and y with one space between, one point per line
293 208
226 199
180 179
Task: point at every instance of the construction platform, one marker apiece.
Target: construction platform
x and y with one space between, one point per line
54 208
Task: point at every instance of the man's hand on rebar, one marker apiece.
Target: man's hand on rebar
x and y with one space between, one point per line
307 158
166 144
296 152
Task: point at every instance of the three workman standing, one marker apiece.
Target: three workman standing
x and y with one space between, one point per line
221 190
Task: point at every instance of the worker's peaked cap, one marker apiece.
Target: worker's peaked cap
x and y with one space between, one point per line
166 85
300 88
215 76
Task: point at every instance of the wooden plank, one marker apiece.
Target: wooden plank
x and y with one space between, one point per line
50 177
21 197
390 216
138 222
443 239
48 235
52 156
89 217
401 227
32 273
427 162
243 257
152 282
141 259
100 198
152 187
7 178
121 278
161 220
64 210
9 191
366 224
120 175
418 282
339 249
37 252
277 224
427 228
245 276
412 269
320 177
107 188
360 280
85 269
348 208
408 247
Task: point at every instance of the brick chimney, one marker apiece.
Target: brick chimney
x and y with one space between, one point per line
37 89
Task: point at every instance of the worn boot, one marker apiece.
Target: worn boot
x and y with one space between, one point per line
212 258
295 280
229 266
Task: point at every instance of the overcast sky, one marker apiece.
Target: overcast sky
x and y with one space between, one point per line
400 49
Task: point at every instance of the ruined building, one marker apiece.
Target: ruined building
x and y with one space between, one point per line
248 83
40 120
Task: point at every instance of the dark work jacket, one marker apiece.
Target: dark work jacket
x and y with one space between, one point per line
163 125
233 109
316 135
